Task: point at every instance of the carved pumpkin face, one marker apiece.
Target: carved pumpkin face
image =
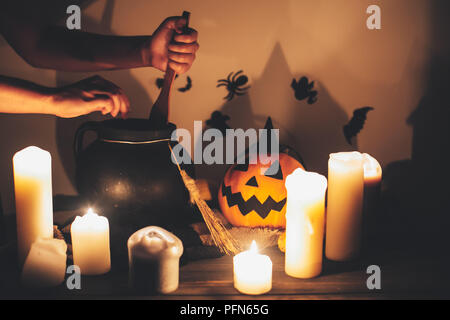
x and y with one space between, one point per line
248 197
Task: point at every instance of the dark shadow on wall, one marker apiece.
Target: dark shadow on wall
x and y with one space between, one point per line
139 98
239 109
431 119
417 191
314 130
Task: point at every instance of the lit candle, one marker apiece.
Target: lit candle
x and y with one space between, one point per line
90 244
372 193
305 223
252 271
344 206
45 265
33 192
154 260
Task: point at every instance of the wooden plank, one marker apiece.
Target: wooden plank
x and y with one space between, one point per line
403 276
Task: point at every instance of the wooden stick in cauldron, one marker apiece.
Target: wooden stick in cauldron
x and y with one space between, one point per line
159 114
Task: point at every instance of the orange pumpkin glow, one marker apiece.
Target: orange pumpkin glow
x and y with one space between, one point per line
249 198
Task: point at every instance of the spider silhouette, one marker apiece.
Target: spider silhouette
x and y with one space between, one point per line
218 121
304 90
234 84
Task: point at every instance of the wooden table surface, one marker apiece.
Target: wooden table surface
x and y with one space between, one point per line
213 279
410 268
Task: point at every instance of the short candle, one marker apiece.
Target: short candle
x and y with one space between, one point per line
45 265
252 272
90 244
154 258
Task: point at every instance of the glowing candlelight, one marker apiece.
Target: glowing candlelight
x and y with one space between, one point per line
305 222
372 194
344 207
33 191
372 170
90 244
252 272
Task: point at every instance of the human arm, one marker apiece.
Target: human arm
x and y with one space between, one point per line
56 47
83 97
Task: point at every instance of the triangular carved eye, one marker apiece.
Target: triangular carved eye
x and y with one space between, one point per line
241 167
274 171
252 182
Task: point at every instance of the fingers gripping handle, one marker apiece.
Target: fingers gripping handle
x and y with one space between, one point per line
159 114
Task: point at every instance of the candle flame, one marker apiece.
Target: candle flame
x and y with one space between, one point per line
253 247
90 214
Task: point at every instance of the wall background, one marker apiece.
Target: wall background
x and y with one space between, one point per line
273 42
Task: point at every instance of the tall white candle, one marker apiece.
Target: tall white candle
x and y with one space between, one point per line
154 259
372 170
90 244
372 194
344 206
252 272
33 192
305 223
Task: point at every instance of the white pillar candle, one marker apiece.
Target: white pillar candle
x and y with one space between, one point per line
372 170
305 223
344 206
252 272
372 193
33 193
45 265
154 260
90 244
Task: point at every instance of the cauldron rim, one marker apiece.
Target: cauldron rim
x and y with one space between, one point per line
132 129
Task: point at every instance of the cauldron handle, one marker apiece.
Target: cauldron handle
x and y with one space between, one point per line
79 135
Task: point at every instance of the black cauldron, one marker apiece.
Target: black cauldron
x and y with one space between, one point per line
127 175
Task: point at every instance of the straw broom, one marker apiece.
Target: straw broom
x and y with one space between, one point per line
221 237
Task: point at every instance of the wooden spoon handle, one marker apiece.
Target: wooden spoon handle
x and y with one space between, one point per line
160 111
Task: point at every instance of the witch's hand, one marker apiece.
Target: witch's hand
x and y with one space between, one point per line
89 95
171 45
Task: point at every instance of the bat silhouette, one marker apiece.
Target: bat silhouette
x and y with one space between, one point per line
159 82
188 85
356 123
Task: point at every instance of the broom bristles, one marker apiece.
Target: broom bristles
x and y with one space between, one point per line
221 237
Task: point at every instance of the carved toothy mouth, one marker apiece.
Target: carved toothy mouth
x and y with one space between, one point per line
253 204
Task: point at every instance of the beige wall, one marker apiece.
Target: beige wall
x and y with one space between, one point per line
273 42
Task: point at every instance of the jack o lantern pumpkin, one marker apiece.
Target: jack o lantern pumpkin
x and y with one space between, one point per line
249 197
